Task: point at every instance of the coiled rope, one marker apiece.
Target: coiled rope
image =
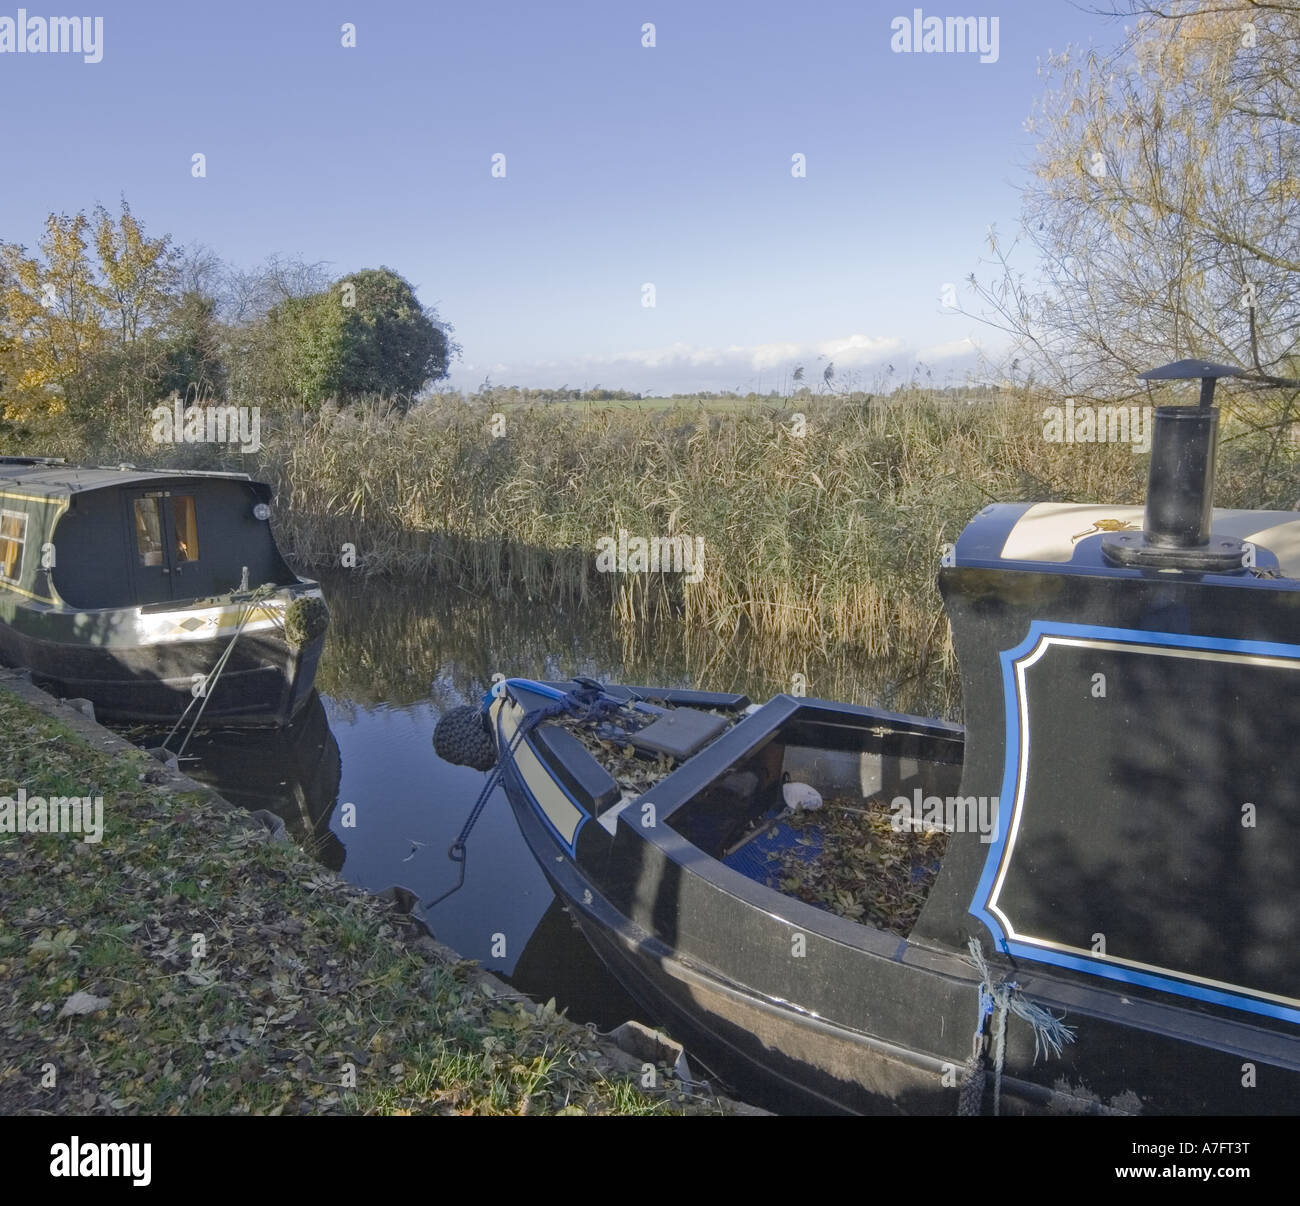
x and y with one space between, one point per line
996 1000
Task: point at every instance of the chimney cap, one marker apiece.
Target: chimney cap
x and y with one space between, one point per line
1190 370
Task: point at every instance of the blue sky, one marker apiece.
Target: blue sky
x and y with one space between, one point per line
625 166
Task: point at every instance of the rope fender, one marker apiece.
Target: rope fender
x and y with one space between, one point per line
587 701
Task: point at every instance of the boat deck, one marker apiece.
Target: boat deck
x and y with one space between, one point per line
854 856
846 858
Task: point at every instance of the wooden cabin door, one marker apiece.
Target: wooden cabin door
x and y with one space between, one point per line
164 542
150 545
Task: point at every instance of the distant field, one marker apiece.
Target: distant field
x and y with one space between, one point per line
712 405
508 400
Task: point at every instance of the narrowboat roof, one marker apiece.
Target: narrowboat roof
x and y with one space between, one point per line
49 478
1067 538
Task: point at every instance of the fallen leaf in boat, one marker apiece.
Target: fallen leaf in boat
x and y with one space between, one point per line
849 860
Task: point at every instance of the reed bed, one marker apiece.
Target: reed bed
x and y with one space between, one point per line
829 538
824 540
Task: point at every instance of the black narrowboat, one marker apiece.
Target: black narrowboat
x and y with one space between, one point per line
1114 926
153 592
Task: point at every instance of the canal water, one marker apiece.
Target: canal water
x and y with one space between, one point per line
359 786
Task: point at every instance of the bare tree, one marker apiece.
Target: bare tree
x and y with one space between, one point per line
200 270
1165 208
246 295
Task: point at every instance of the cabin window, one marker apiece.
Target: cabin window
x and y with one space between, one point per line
185 527
13 536
148 530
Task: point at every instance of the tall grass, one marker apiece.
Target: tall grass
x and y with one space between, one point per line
829 539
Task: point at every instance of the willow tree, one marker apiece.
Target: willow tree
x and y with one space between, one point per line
1165 201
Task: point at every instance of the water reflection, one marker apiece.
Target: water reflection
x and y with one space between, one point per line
358 783
293 773
402 643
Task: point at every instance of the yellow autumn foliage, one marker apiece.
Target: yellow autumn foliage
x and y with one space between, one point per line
92 286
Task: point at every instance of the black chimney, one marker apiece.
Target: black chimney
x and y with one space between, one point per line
1180 486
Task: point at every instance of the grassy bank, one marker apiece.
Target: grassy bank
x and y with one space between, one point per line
301 983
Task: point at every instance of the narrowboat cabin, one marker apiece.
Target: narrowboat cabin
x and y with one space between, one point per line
146 591
1085 901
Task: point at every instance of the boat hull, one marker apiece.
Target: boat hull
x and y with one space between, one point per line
265 683
769 1053
801 1010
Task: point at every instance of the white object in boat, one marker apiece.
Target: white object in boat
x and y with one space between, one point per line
801 796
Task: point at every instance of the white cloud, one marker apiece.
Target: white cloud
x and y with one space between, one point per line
859 349
769 355
682 367
851 350
949 351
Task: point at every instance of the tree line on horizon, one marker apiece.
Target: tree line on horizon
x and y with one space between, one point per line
1161 221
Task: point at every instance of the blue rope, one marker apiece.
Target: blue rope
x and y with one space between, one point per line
586 704
996 1000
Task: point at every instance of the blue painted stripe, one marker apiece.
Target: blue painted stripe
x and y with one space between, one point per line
1117 971
527 684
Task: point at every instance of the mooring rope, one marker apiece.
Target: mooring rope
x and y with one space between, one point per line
214 675
588 703
996 1001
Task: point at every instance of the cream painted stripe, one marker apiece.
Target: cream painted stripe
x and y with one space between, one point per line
1203 655
264 618
48 499
1017 806
562 812
1046 531
26 594
178 635
1156 969
62 505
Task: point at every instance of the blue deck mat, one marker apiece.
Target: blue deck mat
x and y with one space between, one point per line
751 859
752 862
